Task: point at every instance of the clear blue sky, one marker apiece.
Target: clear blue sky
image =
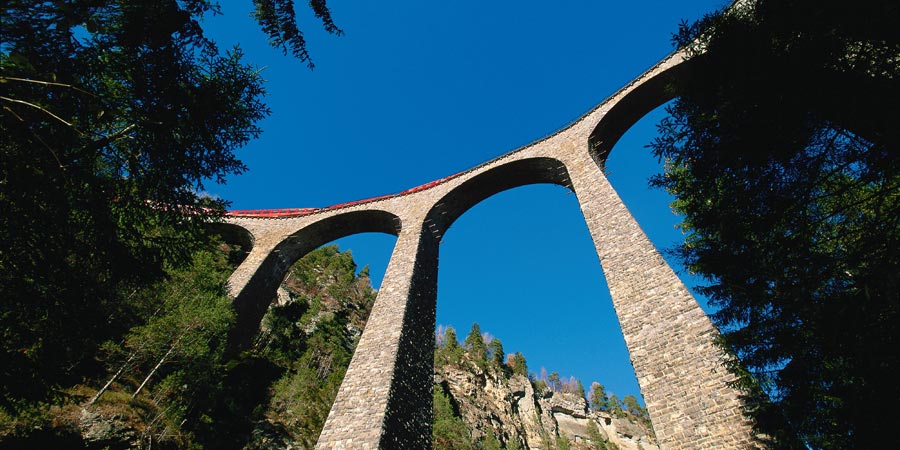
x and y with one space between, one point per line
418 90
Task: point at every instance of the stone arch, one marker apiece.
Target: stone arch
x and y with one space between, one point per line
236 235
251 303
521 172
644 97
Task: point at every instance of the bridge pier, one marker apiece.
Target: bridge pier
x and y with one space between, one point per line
252 286
385 400
669 337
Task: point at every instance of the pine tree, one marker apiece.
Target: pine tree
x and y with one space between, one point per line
553 381
449 432
516 362
496 352
450 339
115 115
474 345
450 352
598 398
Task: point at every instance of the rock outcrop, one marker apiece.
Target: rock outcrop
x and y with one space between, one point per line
509 407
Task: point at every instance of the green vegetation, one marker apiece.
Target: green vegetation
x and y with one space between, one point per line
598 399
168 385
449 431
447 350
782 152
516 362
163 372
475 346
490 442
312 338
115 115
495 350
597 440
633 408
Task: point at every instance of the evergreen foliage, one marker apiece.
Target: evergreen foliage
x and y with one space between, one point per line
598 399
279 22
450 352
490 442
309 338
171 365
579 388
495 350
114 116
614 406
449 432
782 151
450 338
597 440
513 444
518 364
189 327
168 378
453 429
474 345
636 410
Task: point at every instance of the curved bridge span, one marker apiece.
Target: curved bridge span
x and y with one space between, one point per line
385 399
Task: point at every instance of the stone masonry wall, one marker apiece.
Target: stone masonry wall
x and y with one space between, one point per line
385 399
669 338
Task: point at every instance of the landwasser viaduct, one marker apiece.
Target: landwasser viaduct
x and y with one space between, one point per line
385 399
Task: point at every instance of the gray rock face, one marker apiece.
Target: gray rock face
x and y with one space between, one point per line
99 430
513 411
568 404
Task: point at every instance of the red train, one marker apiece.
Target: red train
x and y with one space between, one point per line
272 213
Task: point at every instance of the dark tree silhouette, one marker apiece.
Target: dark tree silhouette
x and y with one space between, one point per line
782 151
114 116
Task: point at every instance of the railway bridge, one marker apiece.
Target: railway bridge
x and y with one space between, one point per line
385 399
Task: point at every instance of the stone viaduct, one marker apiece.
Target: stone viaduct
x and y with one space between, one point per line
385 399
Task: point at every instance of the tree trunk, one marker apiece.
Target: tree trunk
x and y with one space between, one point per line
108 383
161 361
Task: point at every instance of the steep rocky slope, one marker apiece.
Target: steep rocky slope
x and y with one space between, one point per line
510 408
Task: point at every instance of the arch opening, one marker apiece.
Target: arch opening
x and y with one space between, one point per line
539 170
522 265
284 383
629 169
645 97
234 235
253 300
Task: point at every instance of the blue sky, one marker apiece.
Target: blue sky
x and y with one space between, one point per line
418 90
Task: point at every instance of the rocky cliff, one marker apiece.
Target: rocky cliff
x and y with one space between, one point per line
490 401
